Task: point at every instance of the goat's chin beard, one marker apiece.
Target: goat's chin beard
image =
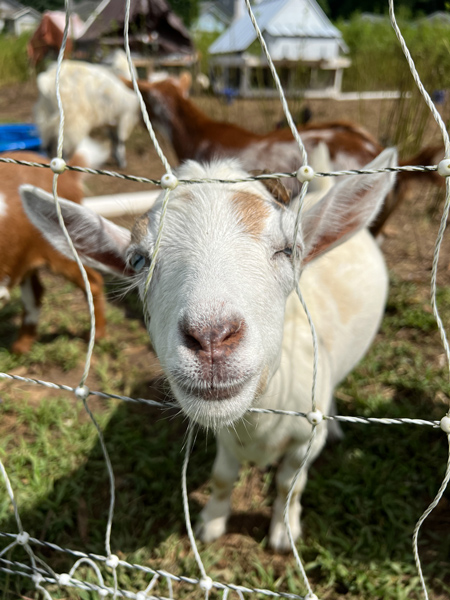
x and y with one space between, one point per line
216 413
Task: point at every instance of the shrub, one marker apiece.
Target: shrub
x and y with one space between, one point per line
13 58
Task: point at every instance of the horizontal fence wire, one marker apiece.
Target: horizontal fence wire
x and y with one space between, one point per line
106 566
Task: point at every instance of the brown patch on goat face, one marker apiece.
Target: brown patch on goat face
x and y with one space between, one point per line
252 212
140 228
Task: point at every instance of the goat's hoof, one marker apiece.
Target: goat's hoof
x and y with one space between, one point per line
279 538
212 530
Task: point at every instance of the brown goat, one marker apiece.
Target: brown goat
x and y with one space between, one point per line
194 135
23 250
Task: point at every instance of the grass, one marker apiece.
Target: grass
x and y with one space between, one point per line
363 499
374 43
13 58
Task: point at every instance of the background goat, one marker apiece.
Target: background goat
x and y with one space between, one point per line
194 135
23 250
93 97
225 320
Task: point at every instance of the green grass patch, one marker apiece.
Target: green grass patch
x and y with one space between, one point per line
13 58
361 504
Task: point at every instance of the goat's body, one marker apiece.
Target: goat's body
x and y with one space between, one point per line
345 291
92 97
24 251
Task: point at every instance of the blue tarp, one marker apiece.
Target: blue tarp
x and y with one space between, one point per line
19 136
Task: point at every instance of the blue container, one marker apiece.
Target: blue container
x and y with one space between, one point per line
19 136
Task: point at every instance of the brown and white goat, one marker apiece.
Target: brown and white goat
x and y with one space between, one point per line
23 250
225 319
196 136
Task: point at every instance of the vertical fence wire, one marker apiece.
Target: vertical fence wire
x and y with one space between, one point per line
439 240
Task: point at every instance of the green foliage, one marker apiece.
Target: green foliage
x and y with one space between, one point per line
186 9
13 58
42 5
202 41
346 8
378 64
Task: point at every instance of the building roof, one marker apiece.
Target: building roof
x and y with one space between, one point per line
13 10
151 17
27 10
211 18
278 18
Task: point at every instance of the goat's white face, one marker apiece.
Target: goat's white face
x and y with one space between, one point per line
224 270
216 302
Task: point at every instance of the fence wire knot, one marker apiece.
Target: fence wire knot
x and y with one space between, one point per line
82 392
444 167
169 181
305 173
315 417
445 424
58 165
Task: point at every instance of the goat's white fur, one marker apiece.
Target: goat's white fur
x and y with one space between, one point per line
92 97
216 264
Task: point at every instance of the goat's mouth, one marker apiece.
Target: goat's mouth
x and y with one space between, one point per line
211 391
215 405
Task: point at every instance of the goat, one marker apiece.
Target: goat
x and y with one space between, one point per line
23 250
194 135
92 97
225 320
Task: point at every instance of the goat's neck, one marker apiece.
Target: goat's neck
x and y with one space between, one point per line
195 136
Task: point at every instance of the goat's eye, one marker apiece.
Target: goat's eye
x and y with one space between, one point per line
138 261
286 251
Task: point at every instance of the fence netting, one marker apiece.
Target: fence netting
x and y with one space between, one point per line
161 584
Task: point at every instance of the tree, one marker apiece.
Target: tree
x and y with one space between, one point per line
186 9
345 8
42 5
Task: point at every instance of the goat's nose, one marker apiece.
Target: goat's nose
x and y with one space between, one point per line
213 341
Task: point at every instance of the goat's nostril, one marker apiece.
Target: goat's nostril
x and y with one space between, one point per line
219 338
191 342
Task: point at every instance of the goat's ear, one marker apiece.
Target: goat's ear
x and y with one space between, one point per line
349 206
99 243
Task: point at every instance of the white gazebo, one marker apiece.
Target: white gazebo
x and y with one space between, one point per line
306 48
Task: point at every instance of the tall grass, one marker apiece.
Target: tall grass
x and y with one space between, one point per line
13 58
378 63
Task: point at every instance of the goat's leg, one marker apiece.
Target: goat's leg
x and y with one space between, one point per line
119 151
213 518
32 290
278 536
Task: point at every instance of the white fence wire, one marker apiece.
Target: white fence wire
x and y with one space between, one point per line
41 574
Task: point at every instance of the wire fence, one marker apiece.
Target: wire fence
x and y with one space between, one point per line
162 584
